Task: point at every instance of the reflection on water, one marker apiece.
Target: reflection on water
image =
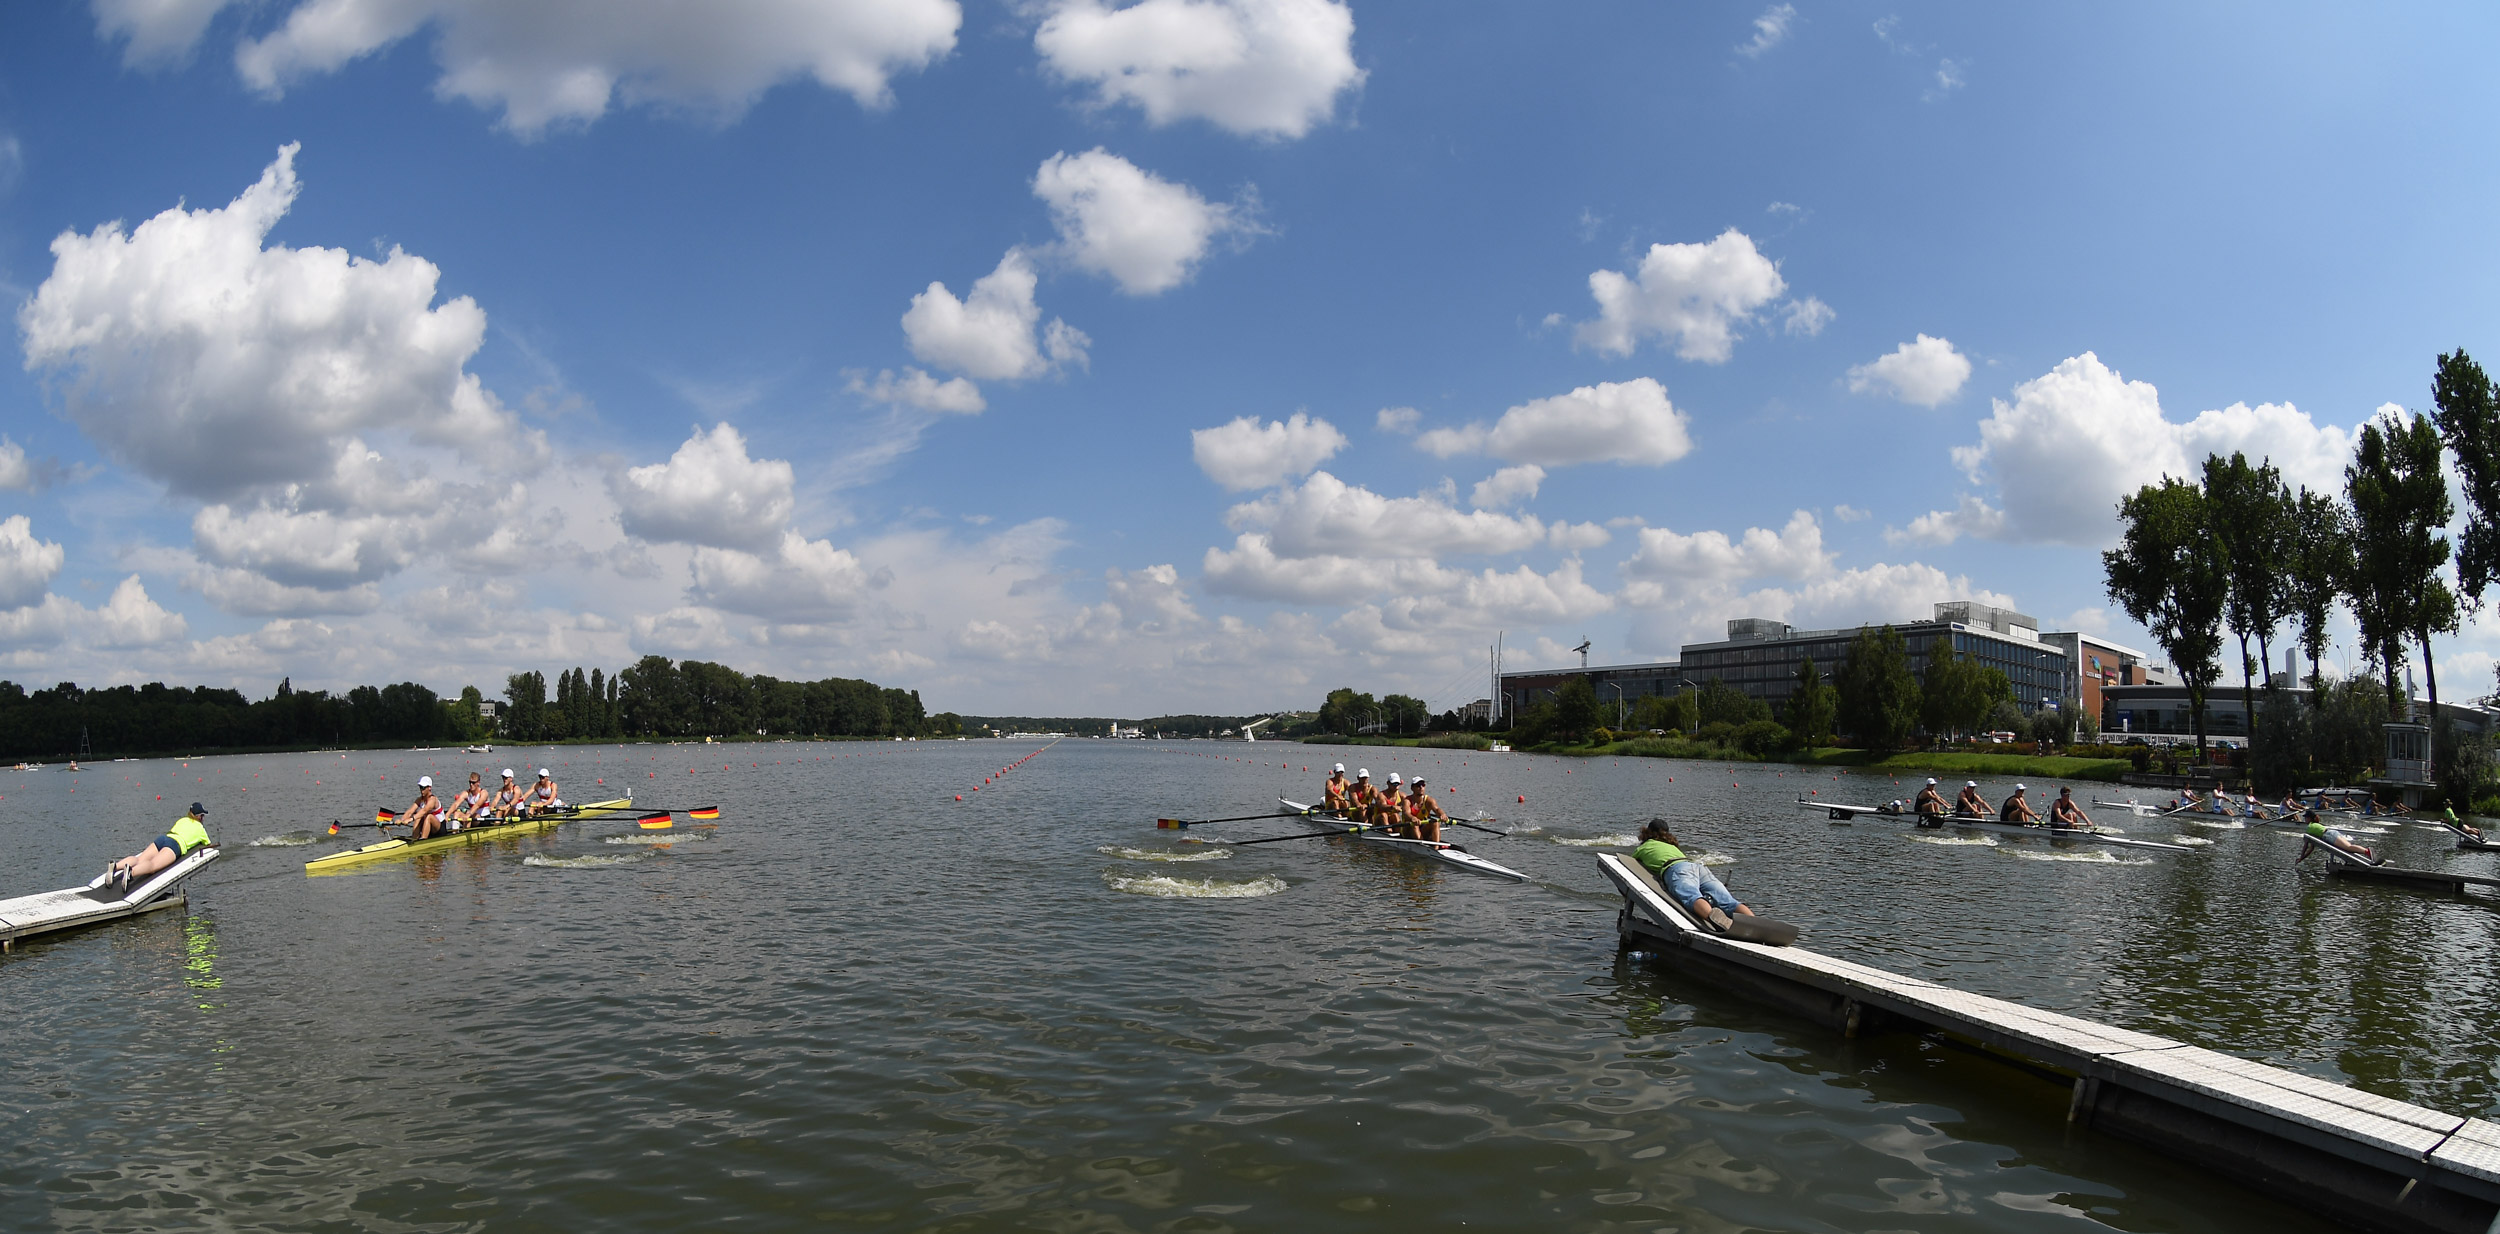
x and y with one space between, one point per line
859 1003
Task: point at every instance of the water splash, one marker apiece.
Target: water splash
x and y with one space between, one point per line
585 862
1164 854
2098 856
657 837
1715 859
287 840
1626 840
2218 824
1165 885
1979 841
2190 840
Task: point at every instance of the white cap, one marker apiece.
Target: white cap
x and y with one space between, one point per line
1341 766
1364 774
1931 781
1970 783
2021 788
425 781
507 773
542 773
1395 778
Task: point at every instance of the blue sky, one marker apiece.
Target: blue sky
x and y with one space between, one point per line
561 334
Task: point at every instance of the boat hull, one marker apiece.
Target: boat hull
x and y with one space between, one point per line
471 835
1447 854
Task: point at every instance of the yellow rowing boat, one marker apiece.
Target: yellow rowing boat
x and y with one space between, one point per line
466 835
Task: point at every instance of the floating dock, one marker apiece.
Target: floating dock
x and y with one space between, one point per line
76 907
2367 1161
2340 864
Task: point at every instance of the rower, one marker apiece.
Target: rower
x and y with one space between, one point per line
425 814
2064 812
507 802
542 795
188 834
2017 809
465 807
1389 809
1426 812
1970 804
1688 882
1929 805
2341 842
1358 799
1333 793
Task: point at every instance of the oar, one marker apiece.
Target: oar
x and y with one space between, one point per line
1307 835
1454 822
1183 824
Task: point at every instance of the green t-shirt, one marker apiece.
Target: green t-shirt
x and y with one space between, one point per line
1656 855
188 834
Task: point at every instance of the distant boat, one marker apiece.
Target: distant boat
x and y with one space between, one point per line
477 749
1499 748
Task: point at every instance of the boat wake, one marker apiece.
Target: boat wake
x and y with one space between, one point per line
1981 841
1625 840
288 840
2190 840
1169 887
586 862
2098 856
1163 854
656 837
2218 824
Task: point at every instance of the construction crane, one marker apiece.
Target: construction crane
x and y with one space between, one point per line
1583 649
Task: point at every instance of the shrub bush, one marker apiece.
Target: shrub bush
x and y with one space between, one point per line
1761 737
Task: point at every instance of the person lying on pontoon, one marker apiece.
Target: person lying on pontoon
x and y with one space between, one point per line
2341 842
1688 882
2462 827
2017 809
188 834
1970 804
2064 812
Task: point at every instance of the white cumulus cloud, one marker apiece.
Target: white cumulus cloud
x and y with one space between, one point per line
1507 487
1806 317
215 365
1256 68
1695 295
1325 515
131 620
158 31
1922 372
1246 454
27 565
799 580
1769 29
2079 437
557 62
709 493
1792 552
991 333
16 473
1630 422
914 388
1137 229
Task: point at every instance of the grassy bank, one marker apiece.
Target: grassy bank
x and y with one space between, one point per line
1940 763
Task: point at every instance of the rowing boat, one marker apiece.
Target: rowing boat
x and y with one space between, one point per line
466 835
1844 813
1435 850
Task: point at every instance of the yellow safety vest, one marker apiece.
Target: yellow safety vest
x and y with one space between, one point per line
187 834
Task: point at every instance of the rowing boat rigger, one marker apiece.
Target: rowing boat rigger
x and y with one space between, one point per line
1431 849
1846 813
466 835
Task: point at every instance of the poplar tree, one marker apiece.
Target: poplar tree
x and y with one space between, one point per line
2399 503
1878 697
2168 573
2252 516
2467 411
2320 567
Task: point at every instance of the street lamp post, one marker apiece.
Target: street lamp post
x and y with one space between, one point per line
1618 689
1695 687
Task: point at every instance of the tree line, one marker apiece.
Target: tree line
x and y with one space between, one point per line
654 697
2237 552
658 697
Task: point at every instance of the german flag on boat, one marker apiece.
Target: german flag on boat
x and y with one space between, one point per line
707 813
386 816
653 822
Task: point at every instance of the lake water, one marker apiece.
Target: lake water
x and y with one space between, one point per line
857 1003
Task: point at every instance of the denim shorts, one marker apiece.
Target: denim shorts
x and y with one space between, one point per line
1689 880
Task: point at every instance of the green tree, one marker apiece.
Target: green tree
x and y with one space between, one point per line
2168 574
1956 691
1717 702
2256 522
1346 711
1404 713
1879 700
525 703
1674 713
1575 710
1811 707
2320 569
2467 412
2399 503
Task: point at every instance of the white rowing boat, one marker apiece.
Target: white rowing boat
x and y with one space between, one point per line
1844 813
1441 851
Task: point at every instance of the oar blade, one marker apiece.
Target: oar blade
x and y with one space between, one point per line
706 813
654 822
1171 824
386 816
